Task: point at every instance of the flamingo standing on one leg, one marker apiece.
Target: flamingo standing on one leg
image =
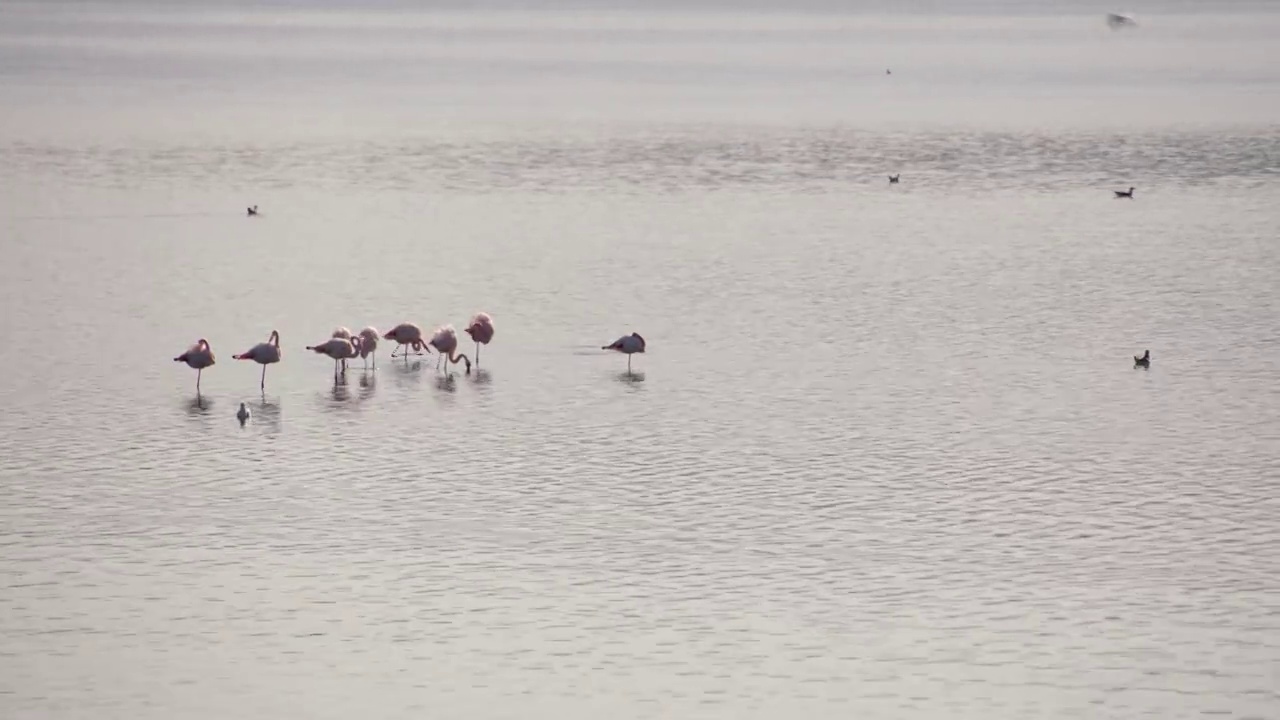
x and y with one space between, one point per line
445 340
480 330
339 349
264 354
406 334
198 356
629 344
369 346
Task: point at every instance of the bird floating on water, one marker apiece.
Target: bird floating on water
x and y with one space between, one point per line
1124 193
1144 361
243 414
627 344
253 211
893 179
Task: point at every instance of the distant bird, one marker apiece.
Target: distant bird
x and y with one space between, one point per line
406 334
893 179
253 211
1123 193
1117 21
198 356
629 344
1144 361
243 414
264 354
368 345
338 348
886 72
481 331
445 340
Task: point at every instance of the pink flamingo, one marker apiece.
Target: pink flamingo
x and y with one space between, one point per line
264 354
629 344
338 348
198 356
406 334
481 331
445 340
345 334
369 345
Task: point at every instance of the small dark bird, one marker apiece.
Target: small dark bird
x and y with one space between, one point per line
893 179
1123 194
253 211
886 72
1144 361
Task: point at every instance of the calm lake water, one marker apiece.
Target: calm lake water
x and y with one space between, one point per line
887 455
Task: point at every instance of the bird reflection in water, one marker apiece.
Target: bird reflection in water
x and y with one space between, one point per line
199 405
630 378
447 383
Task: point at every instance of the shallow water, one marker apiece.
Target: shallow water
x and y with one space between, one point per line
886 457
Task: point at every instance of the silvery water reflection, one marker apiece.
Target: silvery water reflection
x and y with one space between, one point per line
887 457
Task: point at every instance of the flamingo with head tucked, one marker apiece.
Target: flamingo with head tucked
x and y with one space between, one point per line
198 356
338 348
445 340
369 345
406 334
345 334
264 354
481 331
627 344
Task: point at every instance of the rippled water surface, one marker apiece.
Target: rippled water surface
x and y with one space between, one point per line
887 455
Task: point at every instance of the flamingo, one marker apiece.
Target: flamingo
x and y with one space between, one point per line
345 334
1144 361
338 348
369 345
198 356
445 340
264 354
406 334
629 344
480 330
243 414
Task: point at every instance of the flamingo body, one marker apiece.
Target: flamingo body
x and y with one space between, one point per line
480 330
628 345
369 344
264 354
199 356
445 341
406 334
338 348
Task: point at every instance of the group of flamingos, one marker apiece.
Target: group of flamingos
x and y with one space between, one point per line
343 345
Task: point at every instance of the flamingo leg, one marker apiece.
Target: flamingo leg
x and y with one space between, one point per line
477 353
628 363
263 386
198 372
